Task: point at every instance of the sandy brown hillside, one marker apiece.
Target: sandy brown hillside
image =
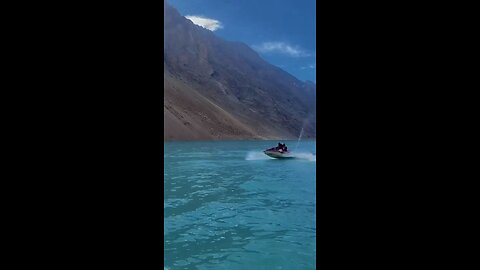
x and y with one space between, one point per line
216 89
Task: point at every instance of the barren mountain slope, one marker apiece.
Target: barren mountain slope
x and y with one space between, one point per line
215 89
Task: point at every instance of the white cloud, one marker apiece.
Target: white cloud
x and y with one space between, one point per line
281 47
204 22
312 66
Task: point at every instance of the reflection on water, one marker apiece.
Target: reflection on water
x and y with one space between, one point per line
225 211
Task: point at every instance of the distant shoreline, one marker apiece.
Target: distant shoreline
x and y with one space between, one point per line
247 139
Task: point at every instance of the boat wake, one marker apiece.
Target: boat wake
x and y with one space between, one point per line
305 155
255 155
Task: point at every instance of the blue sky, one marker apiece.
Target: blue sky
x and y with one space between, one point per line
281 31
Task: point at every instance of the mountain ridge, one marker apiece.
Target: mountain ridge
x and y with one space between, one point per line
218 89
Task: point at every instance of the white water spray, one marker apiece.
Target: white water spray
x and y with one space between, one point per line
305 156
299 137
301 133
257 155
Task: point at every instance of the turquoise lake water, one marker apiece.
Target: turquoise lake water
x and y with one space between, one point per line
228 206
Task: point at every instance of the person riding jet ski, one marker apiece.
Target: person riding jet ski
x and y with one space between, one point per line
281 148
280 151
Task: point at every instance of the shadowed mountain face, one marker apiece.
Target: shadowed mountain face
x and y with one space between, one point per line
216 89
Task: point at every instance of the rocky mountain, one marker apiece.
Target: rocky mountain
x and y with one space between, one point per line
217 89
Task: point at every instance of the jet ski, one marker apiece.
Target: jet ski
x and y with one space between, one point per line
280 152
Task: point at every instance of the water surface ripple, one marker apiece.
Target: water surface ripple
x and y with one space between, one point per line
224 209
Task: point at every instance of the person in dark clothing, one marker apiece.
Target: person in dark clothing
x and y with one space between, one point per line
281 147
